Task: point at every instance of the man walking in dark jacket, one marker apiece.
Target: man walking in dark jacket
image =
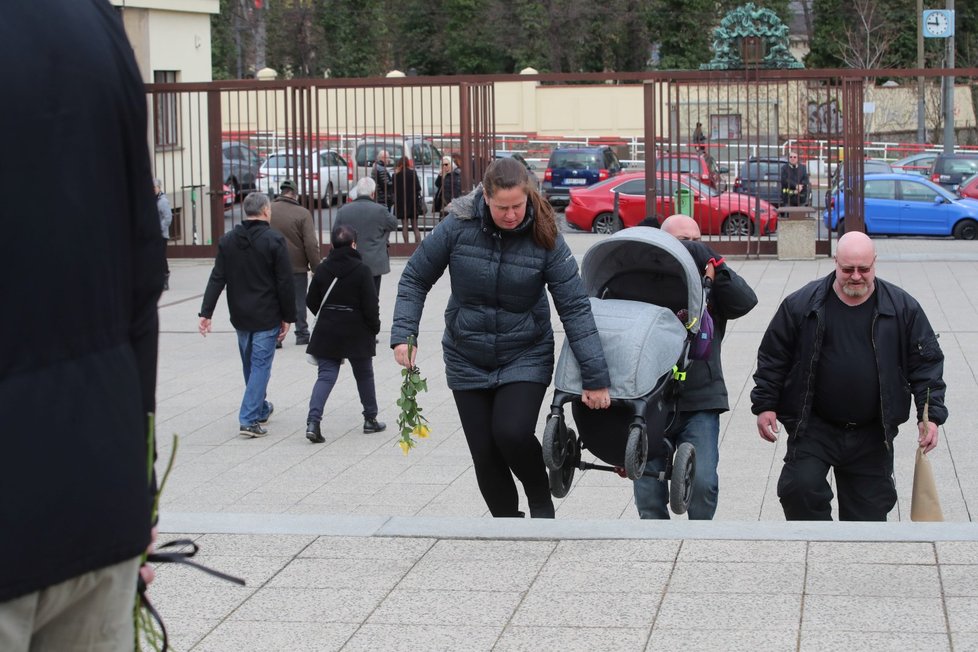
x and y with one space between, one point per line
77 386
835 367
293 221
373 224
703 395
252 260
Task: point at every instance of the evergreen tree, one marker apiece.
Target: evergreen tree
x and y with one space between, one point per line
684 31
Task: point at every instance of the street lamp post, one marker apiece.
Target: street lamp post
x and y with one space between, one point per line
949 88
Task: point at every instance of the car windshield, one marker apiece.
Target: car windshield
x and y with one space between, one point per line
367 152
279 161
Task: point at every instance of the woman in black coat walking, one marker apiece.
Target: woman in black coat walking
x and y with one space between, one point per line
408 203
343 295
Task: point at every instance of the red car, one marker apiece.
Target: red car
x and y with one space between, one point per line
727 213
969 187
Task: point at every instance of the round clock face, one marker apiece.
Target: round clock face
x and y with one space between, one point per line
936 24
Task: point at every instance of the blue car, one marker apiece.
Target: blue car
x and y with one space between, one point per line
907 204
577 167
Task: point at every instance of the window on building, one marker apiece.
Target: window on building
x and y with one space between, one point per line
166 112
725 127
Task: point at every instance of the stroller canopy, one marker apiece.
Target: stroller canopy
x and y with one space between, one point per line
644 264
642 343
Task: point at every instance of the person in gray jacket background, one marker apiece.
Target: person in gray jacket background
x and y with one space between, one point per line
502 249
373 224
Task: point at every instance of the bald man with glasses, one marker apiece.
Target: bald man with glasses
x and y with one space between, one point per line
794 182
837 367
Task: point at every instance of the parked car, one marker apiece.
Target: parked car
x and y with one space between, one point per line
949 170
330 180
870 166
240 166
576 167
424 154
907 204
592 208
699 165
761 177
969 187
916 164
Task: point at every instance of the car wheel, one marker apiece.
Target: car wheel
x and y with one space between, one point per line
840 228
235 188
738 224
328 198
606 223
966 230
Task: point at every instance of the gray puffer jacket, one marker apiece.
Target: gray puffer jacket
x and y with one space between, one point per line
497 323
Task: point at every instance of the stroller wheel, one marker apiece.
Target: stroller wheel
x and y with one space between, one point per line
636 452
554 446
560 479
681 483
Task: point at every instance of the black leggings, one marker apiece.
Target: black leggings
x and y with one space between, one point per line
499 425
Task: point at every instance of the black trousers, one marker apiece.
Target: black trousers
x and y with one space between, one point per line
301 282
863 467
499 424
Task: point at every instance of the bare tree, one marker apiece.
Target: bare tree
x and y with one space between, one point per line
868 37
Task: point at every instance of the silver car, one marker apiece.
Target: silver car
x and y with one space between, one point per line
329 180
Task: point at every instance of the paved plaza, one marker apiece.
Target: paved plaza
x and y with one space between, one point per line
351 545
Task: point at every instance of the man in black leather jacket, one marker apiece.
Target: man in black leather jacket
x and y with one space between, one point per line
837 366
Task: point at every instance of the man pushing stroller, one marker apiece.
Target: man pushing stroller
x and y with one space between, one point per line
702 397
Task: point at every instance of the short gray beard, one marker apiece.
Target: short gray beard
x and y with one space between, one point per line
855 291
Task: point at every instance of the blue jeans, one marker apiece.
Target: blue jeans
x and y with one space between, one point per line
702 430
329 369
257 351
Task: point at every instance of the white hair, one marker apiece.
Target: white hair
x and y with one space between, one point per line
366 187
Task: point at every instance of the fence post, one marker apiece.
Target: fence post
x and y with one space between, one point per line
215 155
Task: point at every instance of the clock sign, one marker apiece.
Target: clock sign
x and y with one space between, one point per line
938 23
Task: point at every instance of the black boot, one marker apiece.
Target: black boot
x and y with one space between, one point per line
542 508
313 433
372 425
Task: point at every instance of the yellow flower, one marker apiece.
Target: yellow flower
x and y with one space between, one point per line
411 422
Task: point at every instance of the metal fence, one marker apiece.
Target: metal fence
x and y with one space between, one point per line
216 141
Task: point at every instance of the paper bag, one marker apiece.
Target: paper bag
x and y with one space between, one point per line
924 503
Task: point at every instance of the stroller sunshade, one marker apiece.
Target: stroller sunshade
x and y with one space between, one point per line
641 342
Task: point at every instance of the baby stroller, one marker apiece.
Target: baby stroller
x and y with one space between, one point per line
647 297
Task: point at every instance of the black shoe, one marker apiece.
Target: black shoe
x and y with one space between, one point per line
271 408
278 345
313 433
254 431
372 425
542 509
301 340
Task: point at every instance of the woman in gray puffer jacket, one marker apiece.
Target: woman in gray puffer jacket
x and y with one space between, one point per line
501 247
